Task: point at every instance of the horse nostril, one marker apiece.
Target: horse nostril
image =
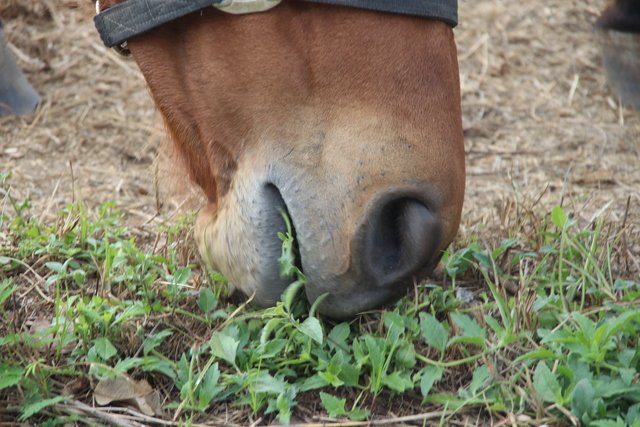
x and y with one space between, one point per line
266 225
278 208
401 239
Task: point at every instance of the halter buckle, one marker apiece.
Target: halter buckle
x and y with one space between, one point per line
240 7
121 49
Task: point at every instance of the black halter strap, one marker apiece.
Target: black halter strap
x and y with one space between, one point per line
132 17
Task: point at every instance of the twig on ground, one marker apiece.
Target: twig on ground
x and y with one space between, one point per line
387 421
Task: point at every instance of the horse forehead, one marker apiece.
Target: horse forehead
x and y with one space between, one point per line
297 54
333 42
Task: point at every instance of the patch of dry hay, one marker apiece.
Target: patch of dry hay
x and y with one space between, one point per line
96 136
11 9
541 125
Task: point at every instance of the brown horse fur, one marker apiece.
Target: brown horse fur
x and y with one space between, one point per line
330 112
621 15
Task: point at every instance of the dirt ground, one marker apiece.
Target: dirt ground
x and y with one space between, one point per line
541 124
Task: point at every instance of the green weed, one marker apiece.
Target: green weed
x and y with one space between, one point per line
550 333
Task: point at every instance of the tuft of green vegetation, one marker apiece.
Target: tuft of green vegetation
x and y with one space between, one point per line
542 327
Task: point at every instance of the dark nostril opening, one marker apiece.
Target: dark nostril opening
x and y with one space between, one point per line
276 202
401 238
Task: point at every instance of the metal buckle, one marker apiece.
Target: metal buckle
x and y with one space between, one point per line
122 49
240 7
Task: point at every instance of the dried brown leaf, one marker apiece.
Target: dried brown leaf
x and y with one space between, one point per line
120 389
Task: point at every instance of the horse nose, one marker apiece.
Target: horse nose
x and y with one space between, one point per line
401 238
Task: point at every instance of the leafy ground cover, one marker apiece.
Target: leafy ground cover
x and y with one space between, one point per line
100 326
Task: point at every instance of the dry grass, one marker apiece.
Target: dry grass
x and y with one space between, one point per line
540 121
95 136
11 9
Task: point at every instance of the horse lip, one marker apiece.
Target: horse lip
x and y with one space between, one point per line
341 307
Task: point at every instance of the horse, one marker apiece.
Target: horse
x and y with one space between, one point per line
617 32
17 96
620 15
348 120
